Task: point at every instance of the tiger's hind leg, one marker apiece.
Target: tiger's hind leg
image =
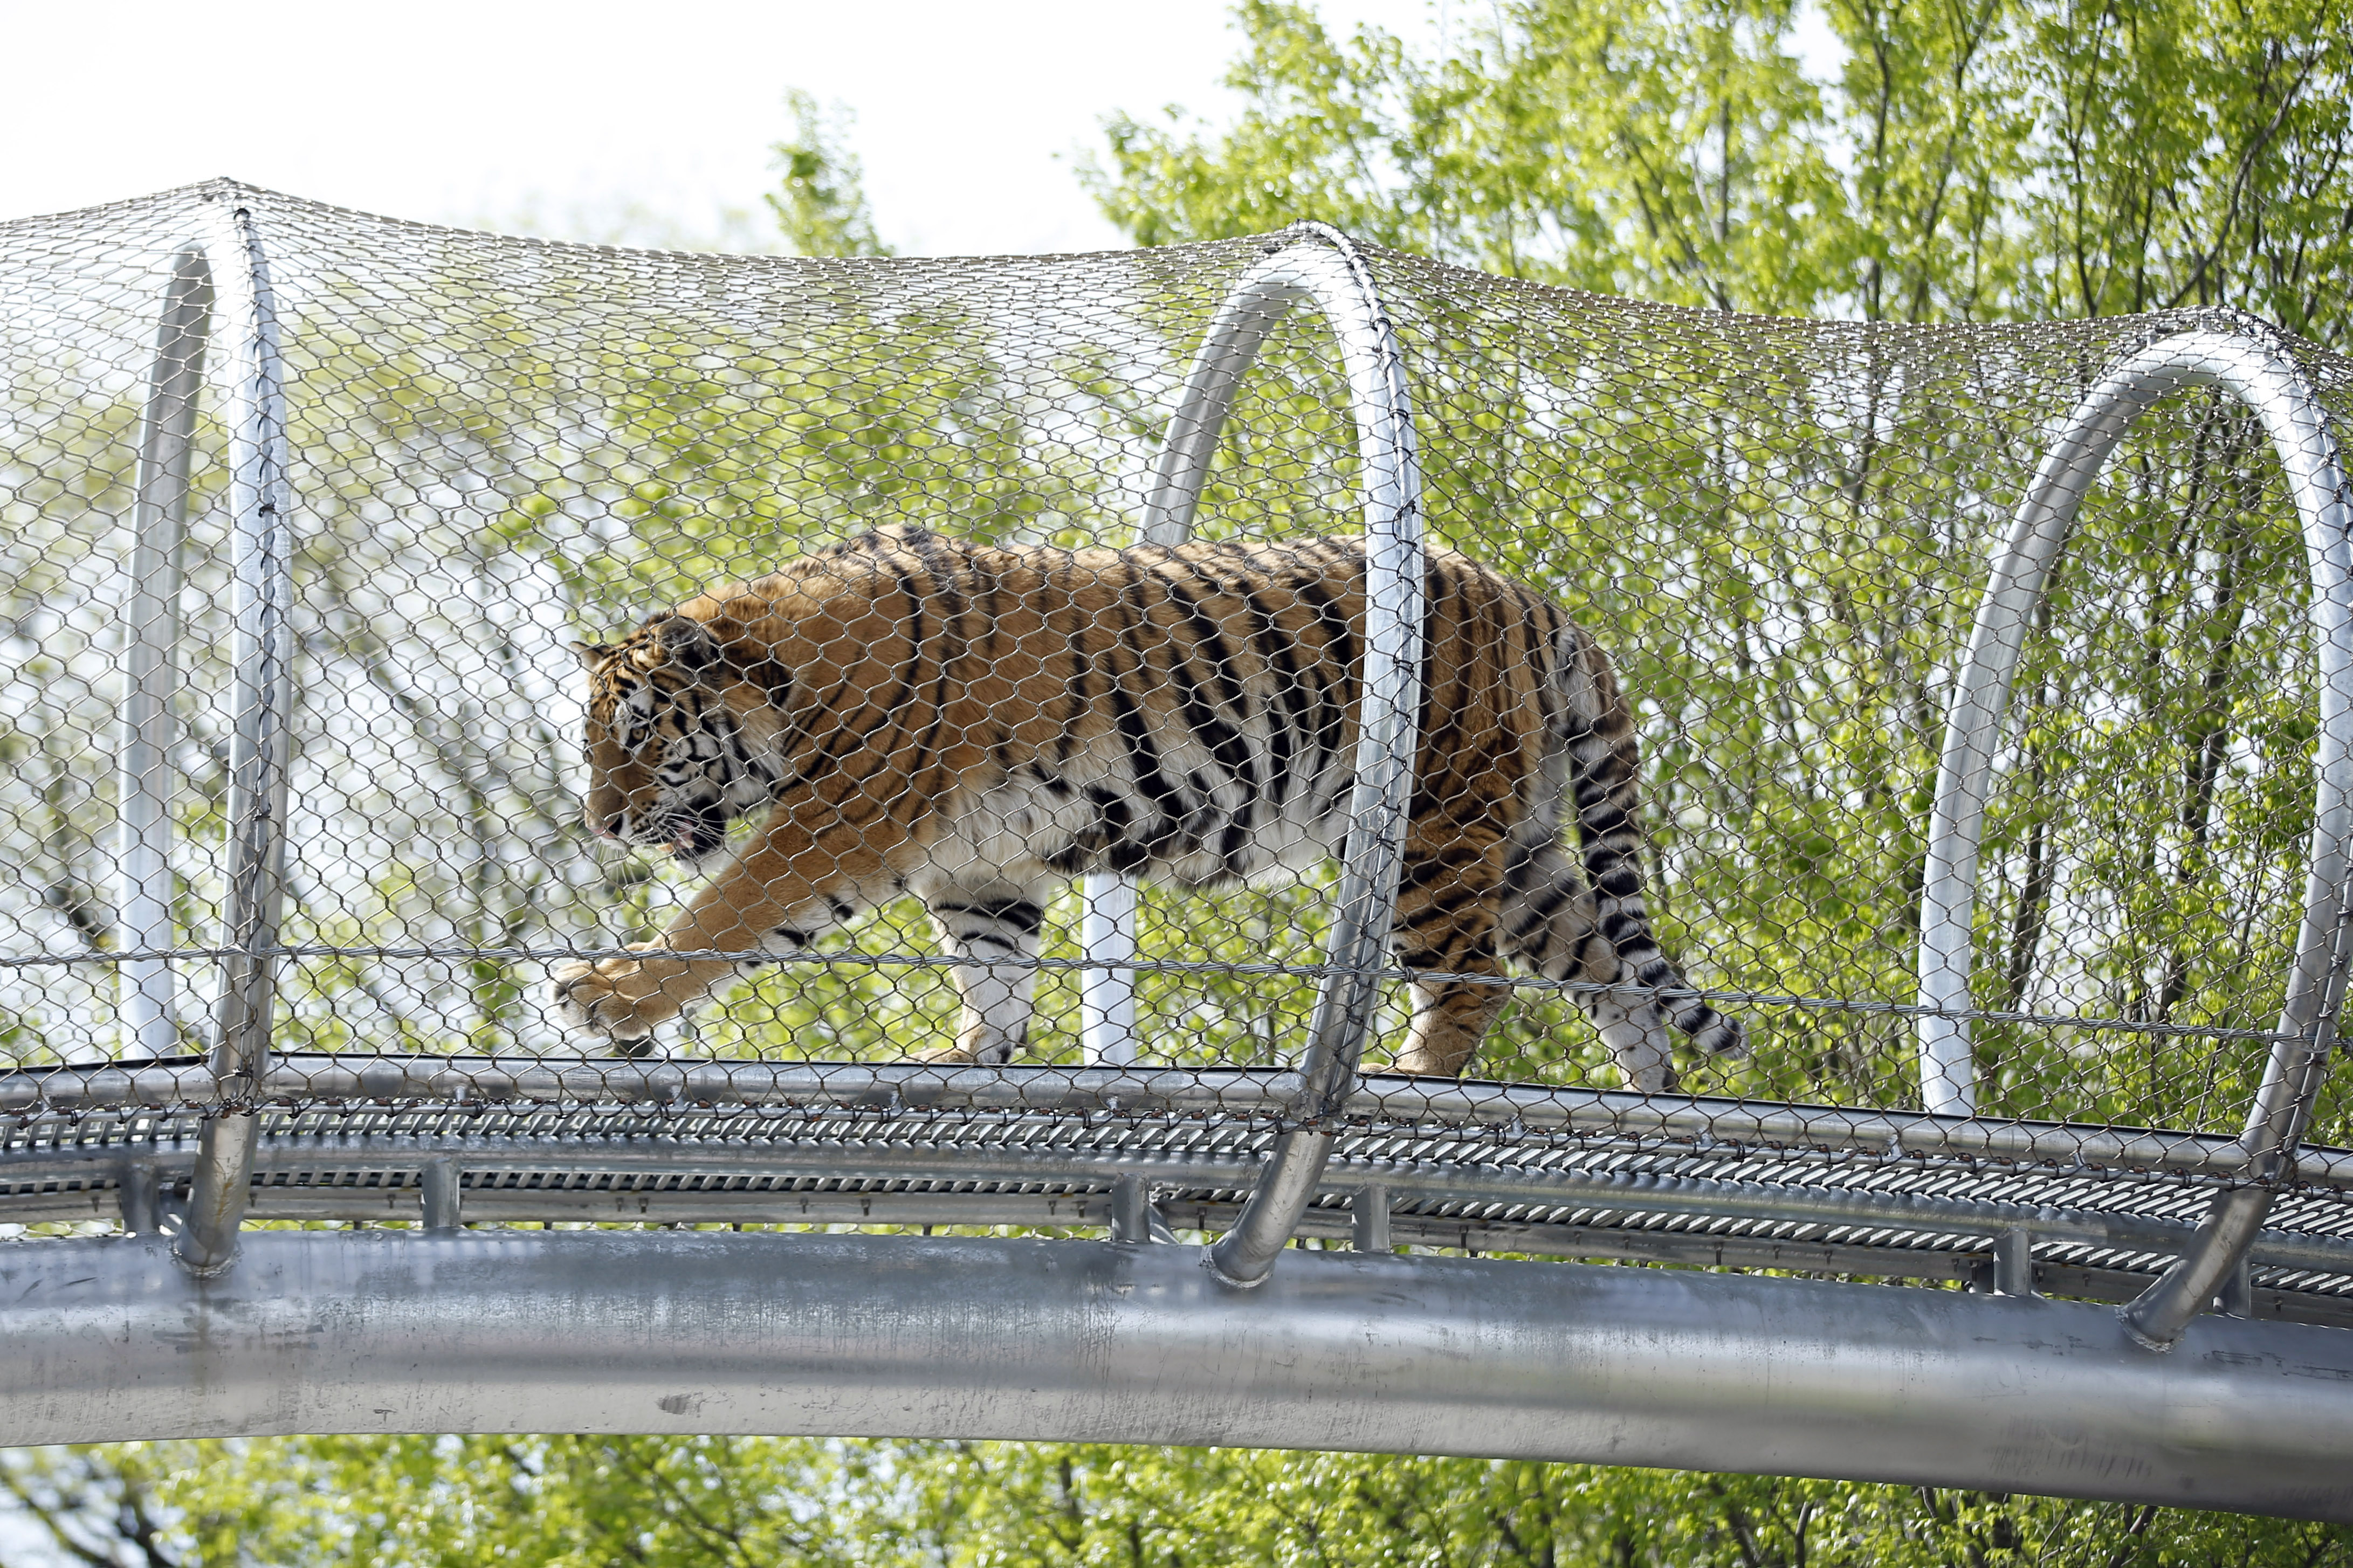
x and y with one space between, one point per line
992 933
1448 903
1552 923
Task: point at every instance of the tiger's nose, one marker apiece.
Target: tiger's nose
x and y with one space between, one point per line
606 827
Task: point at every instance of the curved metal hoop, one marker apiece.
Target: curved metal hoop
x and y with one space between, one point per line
1322 267
262 560
2255 370
151 608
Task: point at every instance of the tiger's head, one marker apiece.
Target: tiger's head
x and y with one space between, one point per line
675 745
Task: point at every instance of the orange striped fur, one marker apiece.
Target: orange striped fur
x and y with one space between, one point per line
975 725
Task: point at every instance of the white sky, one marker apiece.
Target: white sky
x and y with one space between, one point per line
576 116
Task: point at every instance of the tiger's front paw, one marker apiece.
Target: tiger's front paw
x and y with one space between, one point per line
621 999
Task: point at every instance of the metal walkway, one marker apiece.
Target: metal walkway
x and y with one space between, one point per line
1313 1253
2096 1213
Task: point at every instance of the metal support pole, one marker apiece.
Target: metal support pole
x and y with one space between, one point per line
442 1197
137 1190
261 567
1131 1206
2013 1262
151 616
2238 1296
2251 366
1321 266
1369 1219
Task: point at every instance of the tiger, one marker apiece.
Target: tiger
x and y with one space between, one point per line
974 724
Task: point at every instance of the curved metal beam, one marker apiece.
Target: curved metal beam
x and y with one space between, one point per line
2256 369
261 559
716 1332
1322 267
151 613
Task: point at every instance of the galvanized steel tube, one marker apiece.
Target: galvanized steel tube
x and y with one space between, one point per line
2257 371
1323 266
261 568
150 619
1107 985
713 1332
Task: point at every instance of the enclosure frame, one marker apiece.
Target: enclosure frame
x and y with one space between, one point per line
2195 1388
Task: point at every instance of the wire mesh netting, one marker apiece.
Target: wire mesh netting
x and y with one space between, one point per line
879 686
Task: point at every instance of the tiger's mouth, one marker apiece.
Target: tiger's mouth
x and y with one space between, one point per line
685 836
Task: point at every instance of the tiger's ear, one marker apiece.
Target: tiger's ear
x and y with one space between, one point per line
591 654
688 644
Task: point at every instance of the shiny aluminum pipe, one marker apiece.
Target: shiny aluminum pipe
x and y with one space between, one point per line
1323 267
2257 370
716 1333
151 616
1107 985
261 565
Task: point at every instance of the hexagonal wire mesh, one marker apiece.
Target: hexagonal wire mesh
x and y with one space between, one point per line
921 758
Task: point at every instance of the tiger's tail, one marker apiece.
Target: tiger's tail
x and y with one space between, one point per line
1595 928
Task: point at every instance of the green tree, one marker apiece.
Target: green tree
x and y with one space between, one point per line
449 1502
819 203
1972 160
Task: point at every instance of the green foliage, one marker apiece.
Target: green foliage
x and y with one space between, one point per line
1780 539
1978 160
821 203
561 1501
1783 609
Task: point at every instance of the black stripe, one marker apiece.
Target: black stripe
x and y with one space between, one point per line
1341 653
1022 914
1143 753
1226 745
1275 651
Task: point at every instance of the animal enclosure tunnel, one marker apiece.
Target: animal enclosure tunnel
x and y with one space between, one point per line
1145 675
